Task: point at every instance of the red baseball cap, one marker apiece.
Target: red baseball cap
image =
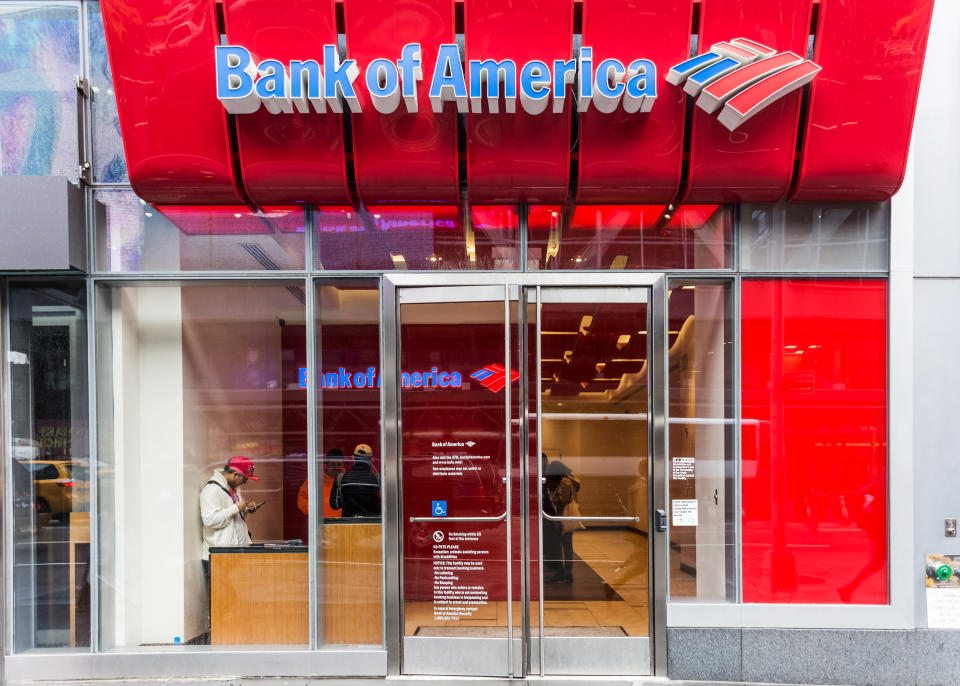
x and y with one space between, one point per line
244 465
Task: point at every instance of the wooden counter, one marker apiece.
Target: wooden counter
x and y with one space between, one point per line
353 583
259 596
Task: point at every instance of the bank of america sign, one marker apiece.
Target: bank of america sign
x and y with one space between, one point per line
739 77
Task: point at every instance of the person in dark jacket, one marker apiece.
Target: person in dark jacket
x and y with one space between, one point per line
357 491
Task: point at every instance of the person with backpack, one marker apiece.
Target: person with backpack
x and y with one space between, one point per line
357 491
561 494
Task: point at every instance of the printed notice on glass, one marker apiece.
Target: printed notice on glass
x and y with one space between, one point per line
458 574
682 469
684 512
455 458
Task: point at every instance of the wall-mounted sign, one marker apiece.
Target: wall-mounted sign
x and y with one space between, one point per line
742 77
244 84
739 78
943 591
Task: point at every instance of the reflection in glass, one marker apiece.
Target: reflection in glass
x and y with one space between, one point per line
807 237
629 237
700 470
814 437
109 165
198 377
133 236
349 482
49 467
416 237
594 395
39 57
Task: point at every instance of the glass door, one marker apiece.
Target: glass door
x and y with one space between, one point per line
523 443
590 393
457 394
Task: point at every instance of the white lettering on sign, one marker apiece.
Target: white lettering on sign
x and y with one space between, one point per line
457 569
683 468
245 83
684 512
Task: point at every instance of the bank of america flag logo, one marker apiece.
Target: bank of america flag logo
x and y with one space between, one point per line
742 77
494 376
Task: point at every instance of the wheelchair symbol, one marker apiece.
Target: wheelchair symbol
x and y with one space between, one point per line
439 508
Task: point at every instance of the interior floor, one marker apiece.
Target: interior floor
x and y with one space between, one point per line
618 558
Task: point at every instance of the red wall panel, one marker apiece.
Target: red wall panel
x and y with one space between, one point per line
519 156
635 157
862 106
288 157
754 162
402 157
814 455
174 129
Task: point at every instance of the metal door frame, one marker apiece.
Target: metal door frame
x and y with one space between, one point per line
390 436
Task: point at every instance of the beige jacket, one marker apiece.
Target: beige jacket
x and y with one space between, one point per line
222 524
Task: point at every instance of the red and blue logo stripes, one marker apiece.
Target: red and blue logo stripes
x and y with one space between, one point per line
494 376
742 77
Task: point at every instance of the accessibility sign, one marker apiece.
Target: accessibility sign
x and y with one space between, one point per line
439 508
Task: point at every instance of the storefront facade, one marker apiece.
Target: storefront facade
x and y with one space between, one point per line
638 358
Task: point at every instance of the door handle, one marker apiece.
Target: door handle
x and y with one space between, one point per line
661 520
459 519
555 518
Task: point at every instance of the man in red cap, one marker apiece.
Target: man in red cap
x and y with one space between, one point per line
222 509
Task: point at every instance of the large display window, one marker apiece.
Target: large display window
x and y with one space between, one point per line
48 469
200 384
814 441
701 469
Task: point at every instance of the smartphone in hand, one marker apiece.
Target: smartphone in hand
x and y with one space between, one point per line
256 506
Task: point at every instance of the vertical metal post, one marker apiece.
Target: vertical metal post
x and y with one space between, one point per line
509 481
6 434
391 449
313 506
93 438
524 442
657 346
540 488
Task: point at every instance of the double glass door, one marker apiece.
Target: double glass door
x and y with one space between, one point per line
525 502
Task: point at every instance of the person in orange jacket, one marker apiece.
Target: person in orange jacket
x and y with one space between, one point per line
332 466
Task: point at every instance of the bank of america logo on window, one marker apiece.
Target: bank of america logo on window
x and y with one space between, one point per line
742 77
494 376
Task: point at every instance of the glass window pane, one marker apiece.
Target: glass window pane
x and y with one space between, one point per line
806 237
629 237
109 164
39 57
133 236
701 468
49 467
200 384
416 238
349 493
814 441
